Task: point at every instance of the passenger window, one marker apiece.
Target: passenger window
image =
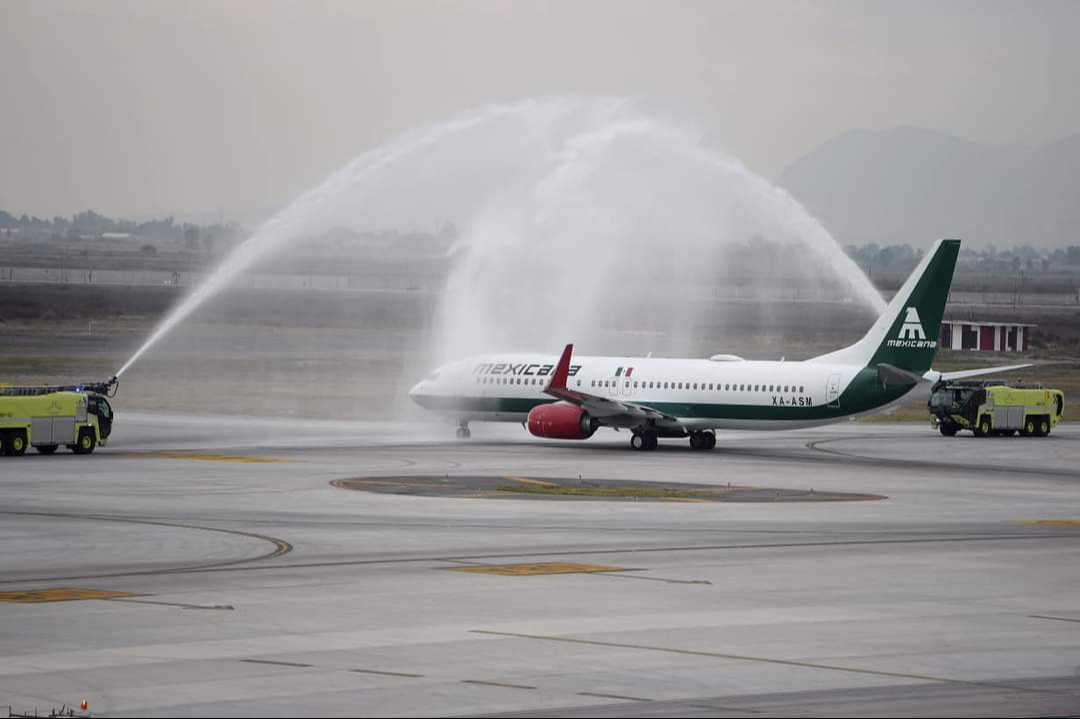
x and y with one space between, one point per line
801 390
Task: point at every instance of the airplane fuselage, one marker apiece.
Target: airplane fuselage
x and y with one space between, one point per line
701 394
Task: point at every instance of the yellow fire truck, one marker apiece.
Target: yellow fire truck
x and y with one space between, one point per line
995 408
78 417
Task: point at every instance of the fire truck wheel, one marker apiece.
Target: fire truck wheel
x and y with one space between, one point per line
86 443
1044 426
948 429
46 448
15 442
983 428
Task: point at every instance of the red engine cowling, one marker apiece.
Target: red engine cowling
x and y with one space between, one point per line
561 421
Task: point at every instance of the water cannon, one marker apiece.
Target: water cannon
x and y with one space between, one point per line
107 388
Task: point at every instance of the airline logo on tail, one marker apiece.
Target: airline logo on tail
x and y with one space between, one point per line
912 334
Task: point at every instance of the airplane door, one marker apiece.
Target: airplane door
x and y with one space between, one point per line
627 386
832 390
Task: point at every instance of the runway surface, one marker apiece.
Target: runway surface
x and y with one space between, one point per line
237 580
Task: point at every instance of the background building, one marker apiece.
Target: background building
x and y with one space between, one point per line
986 336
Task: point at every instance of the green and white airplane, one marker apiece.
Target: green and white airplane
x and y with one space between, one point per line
571 397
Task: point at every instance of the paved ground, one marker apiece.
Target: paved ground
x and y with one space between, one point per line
255 587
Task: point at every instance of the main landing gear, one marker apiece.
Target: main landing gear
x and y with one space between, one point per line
463 430
645 440
702 439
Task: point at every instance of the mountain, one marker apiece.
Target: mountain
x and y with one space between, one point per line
911 185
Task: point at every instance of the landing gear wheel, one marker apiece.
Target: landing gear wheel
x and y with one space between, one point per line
643 441
46 448
702 440
15 443
463 433
87 442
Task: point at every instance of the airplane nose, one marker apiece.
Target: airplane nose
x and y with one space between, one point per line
417 388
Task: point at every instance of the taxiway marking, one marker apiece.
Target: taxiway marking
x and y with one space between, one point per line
521 570
203 457
766 660
65 594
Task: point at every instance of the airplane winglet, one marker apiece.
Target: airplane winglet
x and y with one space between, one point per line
562 370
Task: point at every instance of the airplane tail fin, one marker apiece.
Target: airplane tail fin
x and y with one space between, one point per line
905 337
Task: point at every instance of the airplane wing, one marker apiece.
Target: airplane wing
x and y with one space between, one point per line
602 408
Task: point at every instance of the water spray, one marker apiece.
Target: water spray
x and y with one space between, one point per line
580 180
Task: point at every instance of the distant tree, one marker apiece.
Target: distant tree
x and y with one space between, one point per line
148 250
191 237
1072 255
208 240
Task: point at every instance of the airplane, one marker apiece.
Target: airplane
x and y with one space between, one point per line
571 397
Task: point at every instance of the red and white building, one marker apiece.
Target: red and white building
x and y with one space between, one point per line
985 336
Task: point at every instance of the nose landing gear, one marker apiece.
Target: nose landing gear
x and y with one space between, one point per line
463 430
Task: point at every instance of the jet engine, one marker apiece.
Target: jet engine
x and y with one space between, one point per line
561 421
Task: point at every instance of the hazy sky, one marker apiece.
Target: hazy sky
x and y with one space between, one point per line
135 108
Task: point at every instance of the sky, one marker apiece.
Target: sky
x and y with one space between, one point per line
156 107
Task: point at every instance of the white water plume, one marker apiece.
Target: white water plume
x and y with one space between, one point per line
574 210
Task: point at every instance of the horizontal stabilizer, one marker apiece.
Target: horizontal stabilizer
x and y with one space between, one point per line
964 374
